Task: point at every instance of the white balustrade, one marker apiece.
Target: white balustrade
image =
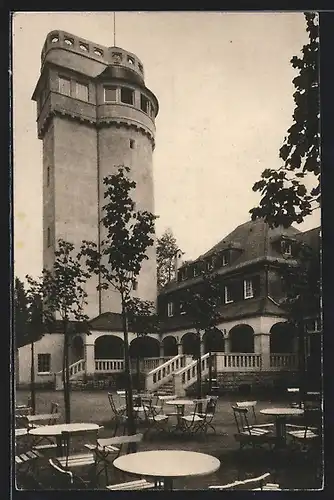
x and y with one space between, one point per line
282 361
77 367
238 362
109 365
163 373
188 374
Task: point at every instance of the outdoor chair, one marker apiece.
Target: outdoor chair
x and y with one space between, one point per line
156 422
25 467
249 435
306 437
251 406
70 460
65 479
118 413
208 415
259 483
294 397
192 422
38 443
114 447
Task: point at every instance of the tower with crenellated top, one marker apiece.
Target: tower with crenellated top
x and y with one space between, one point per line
94 113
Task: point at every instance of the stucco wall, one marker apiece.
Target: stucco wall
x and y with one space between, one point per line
49 343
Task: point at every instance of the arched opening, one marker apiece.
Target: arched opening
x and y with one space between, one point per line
144 347
214 340
77 350
109 347
282 338
170 346
190 344
241 339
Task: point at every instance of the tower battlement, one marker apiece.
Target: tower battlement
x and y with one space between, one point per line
115 56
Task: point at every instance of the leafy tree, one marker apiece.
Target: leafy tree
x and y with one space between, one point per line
28 326
200 304
63 290
285 193
118 261
142 320
301 286
166 251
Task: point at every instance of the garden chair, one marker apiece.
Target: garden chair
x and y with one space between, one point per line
114 447
66 479
44 419
306 437
25 467
251 406
259 483
249 435
208 415
70 460
154 421
193 421
118 413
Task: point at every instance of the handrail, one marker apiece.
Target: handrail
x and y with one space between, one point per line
188 374
163 373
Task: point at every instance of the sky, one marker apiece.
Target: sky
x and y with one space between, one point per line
224 85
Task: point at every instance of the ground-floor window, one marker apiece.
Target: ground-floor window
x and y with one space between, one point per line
44 363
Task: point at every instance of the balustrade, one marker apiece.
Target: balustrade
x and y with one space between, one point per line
279 361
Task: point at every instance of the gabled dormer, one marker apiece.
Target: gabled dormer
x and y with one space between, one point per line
285 245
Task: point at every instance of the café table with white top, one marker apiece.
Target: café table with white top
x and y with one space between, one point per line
167 465
281 415
57 429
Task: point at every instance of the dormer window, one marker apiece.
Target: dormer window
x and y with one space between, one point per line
170 309
286 247
228 295
131 60
225 259
248 289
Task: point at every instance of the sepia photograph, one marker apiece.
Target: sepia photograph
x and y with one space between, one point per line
167 307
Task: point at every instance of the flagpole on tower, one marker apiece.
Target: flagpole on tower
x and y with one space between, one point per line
114 29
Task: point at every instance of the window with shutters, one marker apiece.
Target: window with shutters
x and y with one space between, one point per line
64 85
81 91
110 94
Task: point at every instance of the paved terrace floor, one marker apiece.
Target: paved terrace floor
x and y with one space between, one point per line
294 472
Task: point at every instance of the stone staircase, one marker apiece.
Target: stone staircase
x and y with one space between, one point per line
167 388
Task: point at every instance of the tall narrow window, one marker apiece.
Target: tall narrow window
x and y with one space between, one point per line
227 295
248 289
224 259
286 248
144 104
44 363
81 91
170 309
48 176
110 94
132 144
64 85
127 95
49 237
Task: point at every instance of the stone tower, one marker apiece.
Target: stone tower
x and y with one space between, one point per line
94 113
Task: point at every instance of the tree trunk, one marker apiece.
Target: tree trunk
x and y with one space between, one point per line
32 379
138 372
301 360
199 366
129 397
66 378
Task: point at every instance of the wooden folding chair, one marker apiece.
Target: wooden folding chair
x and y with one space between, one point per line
25 467
208 415
38 443
155 421
118 413
249 435
259 483
65 479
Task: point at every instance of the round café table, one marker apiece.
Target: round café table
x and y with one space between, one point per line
281 415
167 465
56 430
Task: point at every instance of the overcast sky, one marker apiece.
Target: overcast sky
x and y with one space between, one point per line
224 85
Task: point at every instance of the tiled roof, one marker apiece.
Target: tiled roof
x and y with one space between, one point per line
107 321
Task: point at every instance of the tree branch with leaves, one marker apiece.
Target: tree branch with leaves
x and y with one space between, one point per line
286 195
119 258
